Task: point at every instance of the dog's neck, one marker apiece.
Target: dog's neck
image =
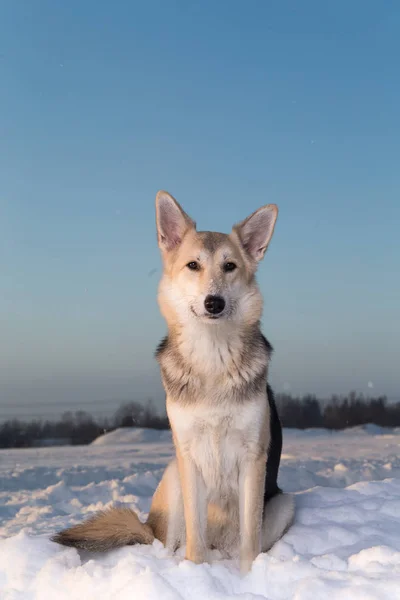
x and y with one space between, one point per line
211 348
197 358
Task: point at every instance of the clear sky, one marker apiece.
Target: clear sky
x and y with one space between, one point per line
228 105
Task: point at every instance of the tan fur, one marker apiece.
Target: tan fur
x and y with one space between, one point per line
195 507
107 529
251 487
158 516
214 369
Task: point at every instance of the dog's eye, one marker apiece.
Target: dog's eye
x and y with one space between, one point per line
193 266
229 266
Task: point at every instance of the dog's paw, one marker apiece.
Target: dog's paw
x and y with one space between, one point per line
197 556
246 561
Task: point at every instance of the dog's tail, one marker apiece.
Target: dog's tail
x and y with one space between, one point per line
108 529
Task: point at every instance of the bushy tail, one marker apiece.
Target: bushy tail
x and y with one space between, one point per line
108 529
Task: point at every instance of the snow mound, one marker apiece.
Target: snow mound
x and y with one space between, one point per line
371 429
133 435
367 429
345 543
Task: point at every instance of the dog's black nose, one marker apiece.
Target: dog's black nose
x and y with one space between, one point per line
214 304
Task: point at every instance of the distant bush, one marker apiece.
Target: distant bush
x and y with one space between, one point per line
135 414
300 412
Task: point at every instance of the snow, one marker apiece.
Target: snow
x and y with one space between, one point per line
344 544
132 435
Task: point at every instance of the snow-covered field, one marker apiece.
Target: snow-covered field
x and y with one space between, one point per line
344 544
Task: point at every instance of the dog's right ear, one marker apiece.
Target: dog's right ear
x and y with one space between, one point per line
172 222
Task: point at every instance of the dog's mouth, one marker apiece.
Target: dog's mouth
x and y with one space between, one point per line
208 316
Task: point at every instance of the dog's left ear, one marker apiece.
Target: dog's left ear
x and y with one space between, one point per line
256 231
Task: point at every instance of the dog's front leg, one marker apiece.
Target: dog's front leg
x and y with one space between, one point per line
251 503
195 508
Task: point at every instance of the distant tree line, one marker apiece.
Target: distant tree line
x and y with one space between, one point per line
339 412
295 412
78 428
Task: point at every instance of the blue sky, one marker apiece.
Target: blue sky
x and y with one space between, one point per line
228 105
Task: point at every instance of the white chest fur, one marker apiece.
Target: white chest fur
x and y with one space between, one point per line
218 439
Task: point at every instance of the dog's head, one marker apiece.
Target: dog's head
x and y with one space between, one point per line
208 276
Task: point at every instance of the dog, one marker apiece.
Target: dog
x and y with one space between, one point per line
220 492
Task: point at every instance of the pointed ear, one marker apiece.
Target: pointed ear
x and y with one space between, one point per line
256 231
172 222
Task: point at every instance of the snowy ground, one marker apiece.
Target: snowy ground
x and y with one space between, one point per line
345 543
